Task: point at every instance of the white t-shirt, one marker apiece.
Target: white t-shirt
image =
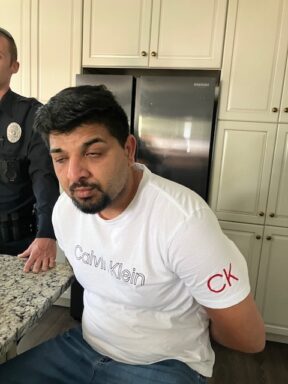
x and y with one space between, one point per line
147 273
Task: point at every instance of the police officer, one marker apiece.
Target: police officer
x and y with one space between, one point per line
28 186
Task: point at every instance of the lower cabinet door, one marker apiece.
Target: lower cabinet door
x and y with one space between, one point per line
248 238
272 286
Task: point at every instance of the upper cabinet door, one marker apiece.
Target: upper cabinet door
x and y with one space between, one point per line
56 46
116 33
187 33
15 17
277 208
241 172
48 34
254 60
184 33
284 102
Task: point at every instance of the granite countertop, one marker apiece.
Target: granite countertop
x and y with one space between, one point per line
25 297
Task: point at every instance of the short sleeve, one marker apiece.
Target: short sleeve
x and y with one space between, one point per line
208 263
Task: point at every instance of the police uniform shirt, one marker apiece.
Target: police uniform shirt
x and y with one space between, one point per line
26 170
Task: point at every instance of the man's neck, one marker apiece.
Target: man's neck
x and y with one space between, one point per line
4 90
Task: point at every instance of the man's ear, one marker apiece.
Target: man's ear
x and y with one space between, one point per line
15 66
130 148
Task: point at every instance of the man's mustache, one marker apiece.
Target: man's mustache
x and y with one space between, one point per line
84 184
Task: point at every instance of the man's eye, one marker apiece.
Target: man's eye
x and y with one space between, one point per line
59 160
93 154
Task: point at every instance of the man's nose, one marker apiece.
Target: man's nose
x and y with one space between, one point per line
77 170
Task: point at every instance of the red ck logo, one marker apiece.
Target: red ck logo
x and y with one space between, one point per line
215 282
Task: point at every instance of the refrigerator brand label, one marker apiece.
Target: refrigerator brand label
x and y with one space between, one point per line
201 85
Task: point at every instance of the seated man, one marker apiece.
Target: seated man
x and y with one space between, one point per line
159 276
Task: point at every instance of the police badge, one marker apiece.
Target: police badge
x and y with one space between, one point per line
14 132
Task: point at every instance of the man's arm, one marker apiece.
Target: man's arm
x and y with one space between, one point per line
41 253
239 327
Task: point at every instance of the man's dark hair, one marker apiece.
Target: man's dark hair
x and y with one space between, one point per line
76 106
11 42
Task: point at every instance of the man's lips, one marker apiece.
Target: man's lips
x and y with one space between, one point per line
83 193
84 190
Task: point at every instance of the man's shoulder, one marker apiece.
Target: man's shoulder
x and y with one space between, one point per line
175 195
31 101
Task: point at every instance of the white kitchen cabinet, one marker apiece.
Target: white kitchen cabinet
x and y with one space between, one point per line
158 33
250 162
16 19
55 46
48 36
250 173
265 249
187 33
241 170
272 285
277 207
283 117
251 176
248 238
255 57
116 33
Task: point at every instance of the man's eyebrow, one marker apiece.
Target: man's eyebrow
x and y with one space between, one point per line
95 140
86 144
55 150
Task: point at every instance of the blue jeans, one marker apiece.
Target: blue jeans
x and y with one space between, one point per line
68 359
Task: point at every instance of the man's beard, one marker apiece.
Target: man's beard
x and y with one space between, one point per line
87 205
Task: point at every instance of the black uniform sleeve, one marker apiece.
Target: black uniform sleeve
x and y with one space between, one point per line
44 182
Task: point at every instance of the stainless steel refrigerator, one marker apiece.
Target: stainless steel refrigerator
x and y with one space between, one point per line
172 118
